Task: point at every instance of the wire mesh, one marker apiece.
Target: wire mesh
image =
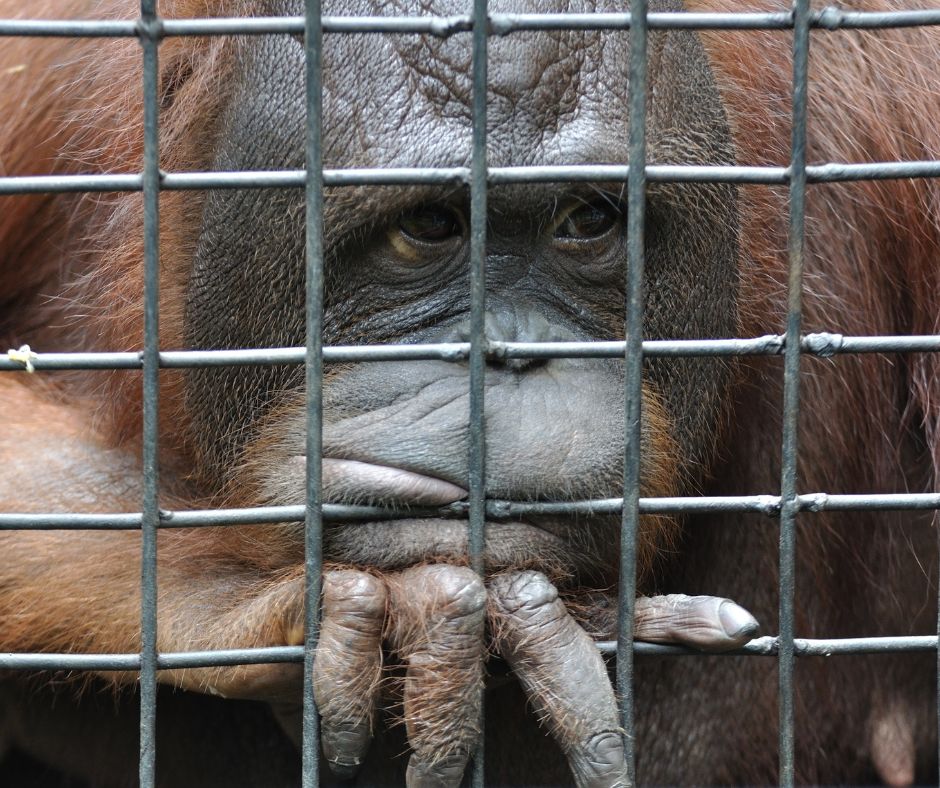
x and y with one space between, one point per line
150 29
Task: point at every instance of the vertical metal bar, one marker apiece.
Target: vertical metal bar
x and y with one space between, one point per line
149 33
313 539
477 447
478 288
633 375
791 388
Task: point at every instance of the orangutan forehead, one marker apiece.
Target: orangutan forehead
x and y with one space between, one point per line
546 97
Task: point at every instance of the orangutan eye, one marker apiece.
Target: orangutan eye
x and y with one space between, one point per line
588 222
432 224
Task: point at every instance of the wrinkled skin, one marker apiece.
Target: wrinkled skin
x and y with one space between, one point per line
409 633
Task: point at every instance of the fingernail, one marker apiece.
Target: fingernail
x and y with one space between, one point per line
737 623
343 771
344 745
440 774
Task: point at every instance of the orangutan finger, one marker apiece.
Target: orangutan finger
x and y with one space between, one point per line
562 673
348 666
437 617
706 622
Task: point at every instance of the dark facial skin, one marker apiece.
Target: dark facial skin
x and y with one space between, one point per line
397 269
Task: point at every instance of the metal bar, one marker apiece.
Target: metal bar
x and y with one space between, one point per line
834 18
63 184
476 535
619 173
504 24
294 179
756 504
313 532
791 394
766 646
633 377
768 345
833 172
829 18
69 28
878 502
822 345
769 505
478 340
150 32
167 661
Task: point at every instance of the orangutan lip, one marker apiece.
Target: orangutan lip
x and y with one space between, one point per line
353 479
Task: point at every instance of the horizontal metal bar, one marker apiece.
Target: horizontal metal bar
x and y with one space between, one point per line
495 510
297 179
69 521
442 26
827 344
832 172
63 184
437 26
874 171
69 28
759 647
236 26
882 502
176 359
673 173
756 504
503 24
821 344
830 18
242 179
403 176
205 518
168 661
834 18
391 176
803 647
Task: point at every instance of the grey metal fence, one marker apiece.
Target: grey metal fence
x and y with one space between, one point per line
150 29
